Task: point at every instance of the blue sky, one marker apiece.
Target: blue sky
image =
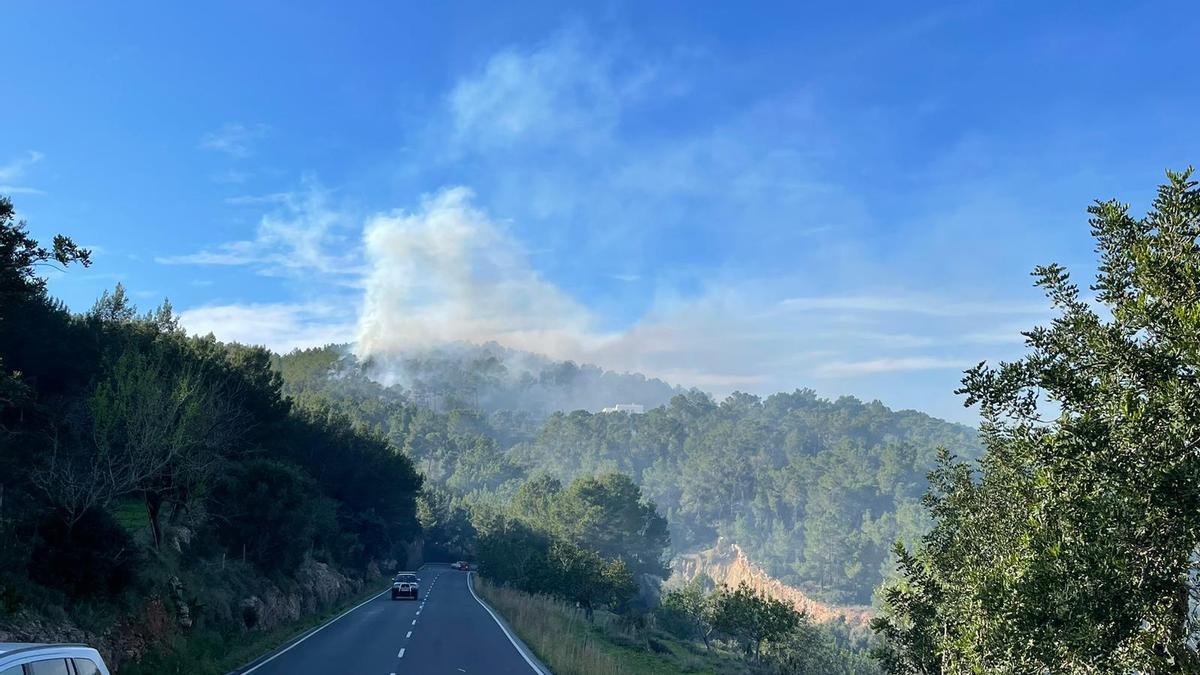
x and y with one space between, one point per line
733 196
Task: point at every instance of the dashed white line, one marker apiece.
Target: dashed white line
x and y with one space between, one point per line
414 622
313 632
409 635
401 654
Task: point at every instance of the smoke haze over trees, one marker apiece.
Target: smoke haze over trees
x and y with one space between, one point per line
492 378
815 490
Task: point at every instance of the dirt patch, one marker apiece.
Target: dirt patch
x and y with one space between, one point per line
726 563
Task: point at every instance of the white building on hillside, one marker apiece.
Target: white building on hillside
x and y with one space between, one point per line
631 408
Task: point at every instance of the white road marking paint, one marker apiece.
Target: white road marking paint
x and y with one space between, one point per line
414 622
409 635
401 654
511 638
318 630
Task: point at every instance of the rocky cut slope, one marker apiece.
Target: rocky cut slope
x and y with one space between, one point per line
726 563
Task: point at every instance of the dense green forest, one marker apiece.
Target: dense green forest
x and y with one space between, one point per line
817 491
155 486
600 545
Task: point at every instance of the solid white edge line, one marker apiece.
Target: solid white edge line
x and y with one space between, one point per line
511 638
314 632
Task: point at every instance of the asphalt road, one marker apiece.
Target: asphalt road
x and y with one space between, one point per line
446 631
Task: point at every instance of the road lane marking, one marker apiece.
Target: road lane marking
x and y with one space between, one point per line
401 654
319 629
409 635
511 638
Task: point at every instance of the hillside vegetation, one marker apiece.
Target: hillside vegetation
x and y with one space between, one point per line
578 570
816 491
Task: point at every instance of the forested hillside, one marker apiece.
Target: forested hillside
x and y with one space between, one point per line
159 497
817 491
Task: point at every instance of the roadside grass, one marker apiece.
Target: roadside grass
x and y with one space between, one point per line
564 640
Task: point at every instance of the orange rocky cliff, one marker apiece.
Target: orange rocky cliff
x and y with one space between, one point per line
727 564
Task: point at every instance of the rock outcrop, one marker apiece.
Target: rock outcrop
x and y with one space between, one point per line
726 563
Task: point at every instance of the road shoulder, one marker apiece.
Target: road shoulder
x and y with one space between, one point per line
295 640
530 657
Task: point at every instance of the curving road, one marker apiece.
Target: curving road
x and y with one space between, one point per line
448 631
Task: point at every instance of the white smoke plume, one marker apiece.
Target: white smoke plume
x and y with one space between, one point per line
448 273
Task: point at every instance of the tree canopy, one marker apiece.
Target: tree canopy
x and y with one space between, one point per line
1073 546
140 465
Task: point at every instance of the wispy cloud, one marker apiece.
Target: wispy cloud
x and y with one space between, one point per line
888 365
278 326
303 235
232 177
546 130
566 90
259 200
235 139
15 170
928 305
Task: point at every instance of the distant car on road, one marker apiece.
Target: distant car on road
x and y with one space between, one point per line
405 585
23 658
461 565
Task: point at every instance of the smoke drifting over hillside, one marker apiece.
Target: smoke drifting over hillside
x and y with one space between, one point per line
453 307
448 273
493 378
